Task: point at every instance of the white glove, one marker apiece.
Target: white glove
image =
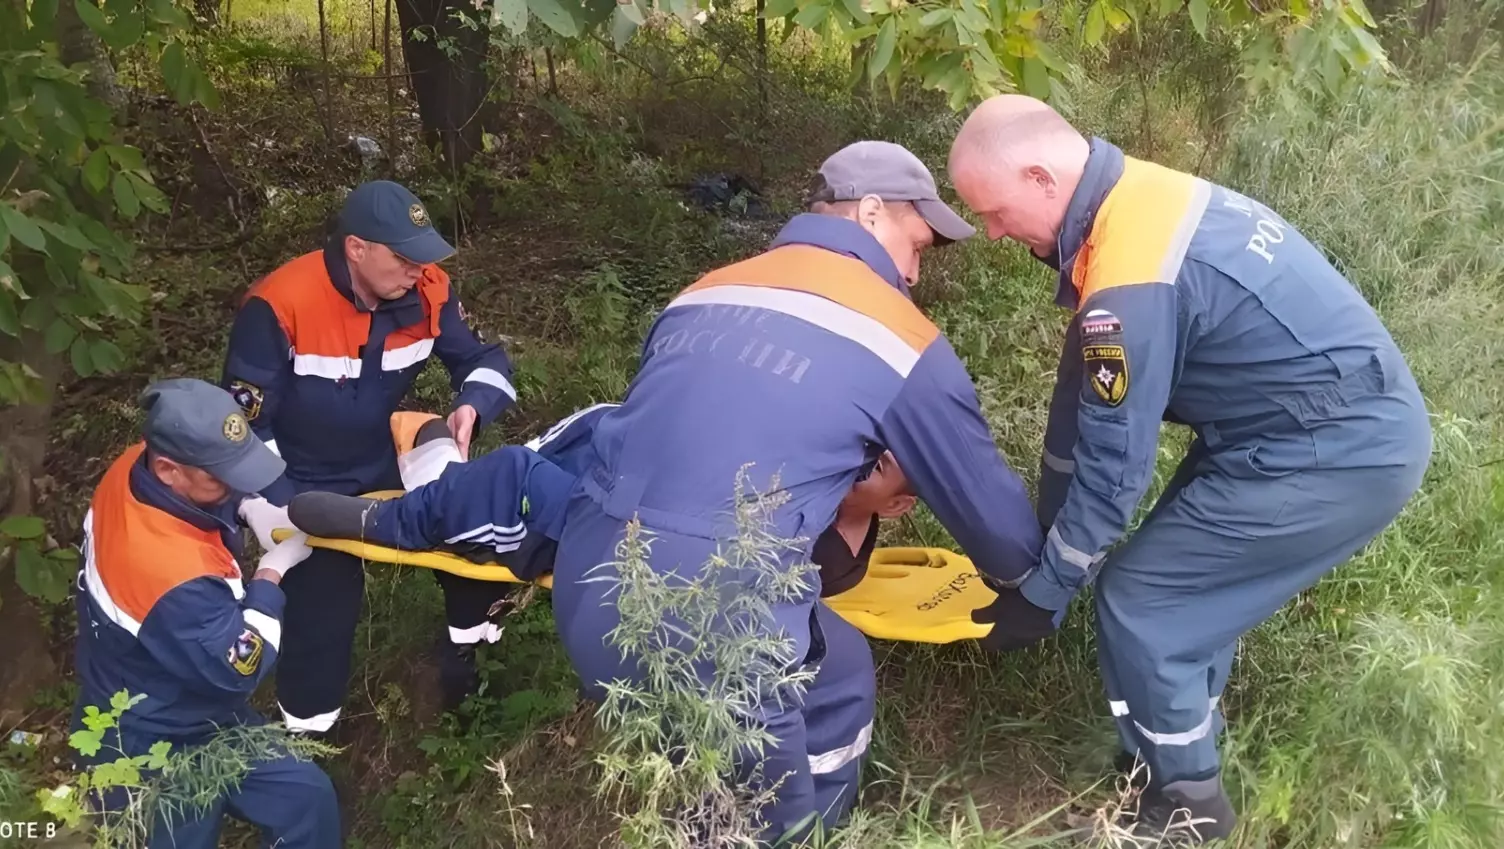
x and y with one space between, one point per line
263 517
286 554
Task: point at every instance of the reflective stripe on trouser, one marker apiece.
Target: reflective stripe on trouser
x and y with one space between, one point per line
468 605
1214 560
324 598
822 741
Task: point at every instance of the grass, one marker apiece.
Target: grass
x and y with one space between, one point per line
1364 715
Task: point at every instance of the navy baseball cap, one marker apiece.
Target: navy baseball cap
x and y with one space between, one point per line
199 424
386 212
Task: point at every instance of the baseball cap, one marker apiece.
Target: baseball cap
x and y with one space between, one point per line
386 212
199 424
894 174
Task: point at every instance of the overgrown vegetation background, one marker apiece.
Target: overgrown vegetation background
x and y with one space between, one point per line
1366 714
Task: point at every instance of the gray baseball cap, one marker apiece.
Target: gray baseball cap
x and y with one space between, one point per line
199 424
894 174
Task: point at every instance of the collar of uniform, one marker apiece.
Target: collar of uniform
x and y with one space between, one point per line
843 236
1104 167
153 493
407 309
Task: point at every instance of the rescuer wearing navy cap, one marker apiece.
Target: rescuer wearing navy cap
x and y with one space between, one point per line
322 352
165 612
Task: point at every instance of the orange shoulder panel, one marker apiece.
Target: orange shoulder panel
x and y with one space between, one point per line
141 552
1142 229
842 279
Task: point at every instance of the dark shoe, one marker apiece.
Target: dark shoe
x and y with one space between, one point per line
1185 813
459 678
1130 768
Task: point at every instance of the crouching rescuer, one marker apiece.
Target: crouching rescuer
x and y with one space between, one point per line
165 612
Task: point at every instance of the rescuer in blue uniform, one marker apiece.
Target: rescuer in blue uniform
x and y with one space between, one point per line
165 613
730 375
1199 306
322 352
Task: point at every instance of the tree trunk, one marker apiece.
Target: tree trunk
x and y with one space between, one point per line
77 44
324 71
28 665
450 88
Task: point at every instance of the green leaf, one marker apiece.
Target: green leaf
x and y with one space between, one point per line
90 14
23 527
97 171
555 17
935 18
174 61
126 156
10 322
37 313
158 754
1363 13
125 196
622 28
60 334
511 14
812 15
68 235
858 14
86 742
1117 18
778 8
1096 24
11 282
882 50
78 352
39 577
106 356
1036 78
1169 7
1020 44
23 228
150 196
128 28
1199 12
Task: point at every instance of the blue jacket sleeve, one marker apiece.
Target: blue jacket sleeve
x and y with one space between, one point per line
1126 352
1056 468
258 366
940 439
213 642
481 373
509 502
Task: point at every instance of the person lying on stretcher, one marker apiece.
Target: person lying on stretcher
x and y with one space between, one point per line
506 507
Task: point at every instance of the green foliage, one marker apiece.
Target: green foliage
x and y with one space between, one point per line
673 740
43 570
164 782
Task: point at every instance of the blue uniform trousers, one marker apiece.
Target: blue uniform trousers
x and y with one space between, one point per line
291 801
822 739
1224 548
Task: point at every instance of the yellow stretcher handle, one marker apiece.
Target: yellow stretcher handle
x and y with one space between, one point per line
917 595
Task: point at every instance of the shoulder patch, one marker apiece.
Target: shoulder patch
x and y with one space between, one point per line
248 396
1101 325
245 655
1106 368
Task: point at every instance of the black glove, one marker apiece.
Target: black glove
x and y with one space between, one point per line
1016 622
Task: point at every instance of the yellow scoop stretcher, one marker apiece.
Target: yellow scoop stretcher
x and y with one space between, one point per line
917 595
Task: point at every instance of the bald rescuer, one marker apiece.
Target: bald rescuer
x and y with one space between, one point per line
805 361
1196 305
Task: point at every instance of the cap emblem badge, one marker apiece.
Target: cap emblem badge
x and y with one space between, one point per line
235 428
418 214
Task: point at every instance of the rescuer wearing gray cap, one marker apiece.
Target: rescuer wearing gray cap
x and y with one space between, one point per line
166 612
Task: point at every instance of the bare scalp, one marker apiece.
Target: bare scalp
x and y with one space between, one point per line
1013 130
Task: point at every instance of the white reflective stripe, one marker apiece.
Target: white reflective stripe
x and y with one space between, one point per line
96 586
1118 708
1201 195
237 586
332 368
425 463
537 442
1182 738
836 758
488 631
500 539
322 722
821 312
1059 464
1214 701
1074 556
491 377
400 358
272 444
269 628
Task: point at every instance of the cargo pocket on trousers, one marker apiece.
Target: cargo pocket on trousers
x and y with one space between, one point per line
1102 450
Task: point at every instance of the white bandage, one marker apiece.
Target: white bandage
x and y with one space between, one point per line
425 463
